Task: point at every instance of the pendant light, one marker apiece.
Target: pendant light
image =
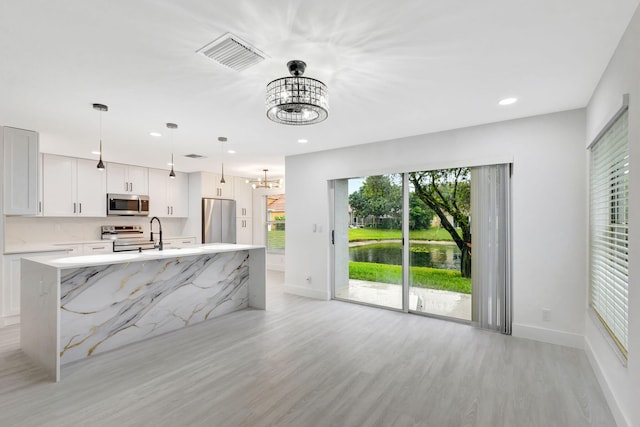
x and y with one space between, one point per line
222 140
101 108
172 127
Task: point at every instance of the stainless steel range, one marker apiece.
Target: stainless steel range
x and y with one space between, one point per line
126 238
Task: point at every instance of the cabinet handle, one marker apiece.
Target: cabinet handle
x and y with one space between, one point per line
168 210
95 248
131 184
186 242
74 207
80 204
171 210
40 207
126 186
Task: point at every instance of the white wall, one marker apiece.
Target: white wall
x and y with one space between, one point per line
549 217
622 75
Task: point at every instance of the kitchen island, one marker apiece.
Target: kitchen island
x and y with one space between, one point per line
74 307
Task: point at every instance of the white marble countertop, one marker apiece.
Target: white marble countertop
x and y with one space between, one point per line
62 246
70 261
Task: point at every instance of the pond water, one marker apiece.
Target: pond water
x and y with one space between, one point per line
444 256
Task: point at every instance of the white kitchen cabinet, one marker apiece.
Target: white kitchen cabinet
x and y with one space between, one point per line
244 231
179 242
244 198
127 179
168 197
20 165
211 186
97 248
73 187
11 284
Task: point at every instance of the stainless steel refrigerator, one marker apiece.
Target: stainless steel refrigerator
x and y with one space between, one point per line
218 221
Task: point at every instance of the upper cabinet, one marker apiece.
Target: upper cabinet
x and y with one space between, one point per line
73 187
126 179
212 187
20 157
168 197
244 198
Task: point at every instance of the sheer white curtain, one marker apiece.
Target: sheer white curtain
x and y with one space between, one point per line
491 251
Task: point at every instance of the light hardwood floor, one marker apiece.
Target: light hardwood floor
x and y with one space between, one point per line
305 362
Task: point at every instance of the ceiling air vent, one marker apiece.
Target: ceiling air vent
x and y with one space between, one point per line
233 52
195 156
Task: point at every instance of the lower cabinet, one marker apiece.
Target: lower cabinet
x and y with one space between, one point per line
244 231
97 248
10 297
181 242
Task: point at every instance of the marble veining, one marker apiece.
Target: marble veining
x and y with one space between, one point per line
107 306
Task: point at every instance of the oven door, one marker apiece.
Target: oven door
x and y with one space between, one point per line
124 204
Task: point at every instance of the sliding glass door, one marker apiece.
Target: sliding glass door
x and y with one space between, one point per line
440 242
368 240
403 241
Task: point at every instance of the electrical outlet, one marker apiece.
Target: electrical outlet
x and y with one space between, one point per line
546 314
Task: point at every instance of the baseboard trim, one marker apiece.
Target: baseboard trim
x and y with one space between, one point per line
618 415
9 320
303 291
550 336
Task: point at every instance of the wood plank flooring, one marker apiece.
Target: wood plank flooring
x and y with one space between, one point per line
305 362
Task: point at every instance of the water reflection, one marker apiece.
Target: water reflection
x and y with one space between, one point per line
443 256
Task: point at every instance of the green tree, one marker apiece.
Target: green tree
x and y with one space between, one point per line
379 196
420 215
448 192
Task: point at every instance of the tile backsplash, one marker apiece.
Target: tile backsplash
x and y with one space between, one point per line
21 231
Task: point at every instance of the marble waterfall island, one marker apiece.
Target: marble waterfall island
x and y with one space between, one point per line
76 307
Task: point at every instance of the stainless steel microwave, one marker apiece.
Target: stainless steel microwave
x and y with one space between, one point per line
127 204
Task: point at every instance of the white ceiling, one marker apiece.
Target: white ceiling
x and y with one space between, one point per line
393 68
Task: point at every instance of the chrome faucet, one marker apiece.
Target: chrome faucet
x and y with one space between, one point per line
159 245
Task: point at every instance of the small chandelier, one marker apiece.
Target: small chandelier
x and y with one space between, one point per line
101 108
297 100
264 183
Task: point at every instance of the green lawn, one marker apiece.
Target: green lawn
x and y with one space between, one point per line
275 240
422 277
434 233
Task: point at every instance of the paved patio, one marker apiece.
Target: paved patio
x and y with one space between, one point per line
442 303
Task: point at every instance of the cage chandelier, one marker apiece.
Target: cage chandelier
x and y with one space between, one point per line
297 100
264 183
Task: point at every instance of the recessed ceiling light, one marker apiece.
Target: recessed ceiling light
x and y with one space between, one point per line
303 141
97 153
231 151
508 101
155 134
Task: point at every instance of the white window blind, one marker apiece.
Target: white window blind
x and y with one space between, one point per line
609 229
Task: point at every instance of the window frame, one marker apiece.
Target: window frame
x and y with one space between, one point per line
609 230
